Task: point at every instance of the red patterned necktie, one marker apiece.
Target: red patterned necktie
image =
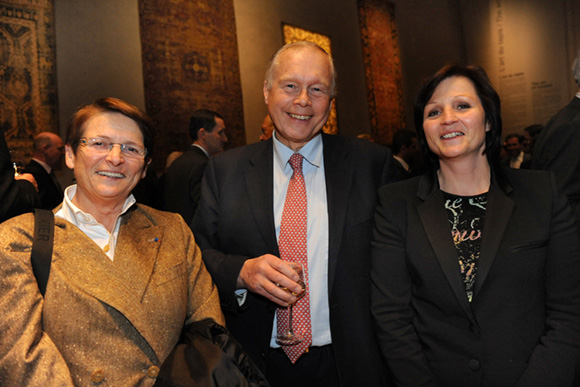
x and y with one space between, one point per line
293 249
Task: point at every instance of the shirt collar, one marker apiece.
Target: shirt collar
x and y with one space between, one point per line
202 148
312 151
76 216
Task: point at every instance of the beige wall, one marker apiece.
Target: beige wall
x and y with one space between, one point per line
98 53
527 48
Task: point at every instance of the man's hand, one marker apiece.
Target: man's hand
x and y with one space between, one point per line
28 177
267 275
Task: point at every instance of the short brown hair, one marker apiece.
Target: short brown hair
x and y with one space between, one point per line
110 105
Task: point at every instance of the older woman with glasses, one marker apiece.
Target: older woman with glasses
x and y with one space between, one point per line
124 280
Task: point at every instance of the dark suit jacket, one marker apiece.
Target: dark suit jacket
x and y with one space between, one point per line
523 325
235 222
557 149
51 195
183 183
16 196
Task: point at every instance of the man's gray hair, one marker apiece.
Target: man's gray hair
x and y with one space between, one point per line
299 45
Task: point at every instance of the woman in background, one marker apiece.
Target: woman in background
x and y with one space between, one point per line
475 268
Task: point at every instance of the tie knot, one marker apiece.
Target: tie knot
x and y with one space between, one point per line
296 162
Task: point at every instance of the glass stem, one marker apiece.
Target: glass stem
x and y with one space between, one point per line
290 319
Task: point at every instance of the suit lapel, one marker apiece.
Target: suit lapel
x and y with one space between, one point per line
259 180
434 219
338 174
122 284
497 215
135 255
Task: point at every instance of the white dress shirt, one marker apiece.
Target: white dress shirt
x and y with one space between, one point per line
86 222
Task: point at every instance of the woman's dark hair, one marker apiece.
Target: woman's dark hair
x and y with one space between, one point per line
110 105
487 95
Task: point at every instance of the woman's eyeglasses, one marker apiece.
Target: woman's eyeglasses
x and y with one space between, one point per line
103 146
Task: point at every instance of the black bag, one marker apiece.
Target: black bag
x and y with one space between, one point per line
207 354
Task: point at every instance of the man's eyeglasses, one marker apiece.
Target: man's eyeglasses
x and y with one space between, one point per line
103 146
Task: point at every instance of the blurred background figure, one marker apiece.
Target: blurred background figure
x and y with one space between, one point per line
366 136
182 184
18 194
404 147
47 152
267 128
516 157
531 133
557 148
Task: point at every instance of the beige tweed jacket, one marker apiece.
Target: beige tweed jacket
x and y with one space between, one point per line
102 323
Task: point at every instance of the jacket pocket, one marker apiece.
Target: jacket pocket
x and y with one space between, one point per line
529 246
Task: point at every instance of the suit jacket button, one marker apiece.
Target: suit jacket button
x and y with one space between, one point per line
98 376
153 371
474 365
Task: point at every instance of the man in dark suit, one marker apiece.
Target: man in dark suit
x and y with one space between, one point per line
557 147
516 157
183 178
404 147
47 149
241 214
17 195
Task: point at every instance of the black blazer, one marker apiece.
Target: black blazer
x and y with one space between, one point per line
523 325
557 149
51 195
182 183
16 196
235 221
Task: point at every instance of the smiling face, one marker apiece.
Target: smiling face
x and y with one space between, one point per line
299 96
454 121
106 179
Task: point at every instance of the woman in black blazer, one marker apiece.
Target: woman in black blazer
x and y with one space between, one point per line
475 267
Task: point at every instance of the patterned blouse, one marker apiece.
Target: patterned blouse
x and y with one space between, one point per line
466 215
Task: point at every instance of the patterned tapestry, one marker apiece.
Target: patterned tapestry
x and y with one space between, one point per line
190 61
295 34
382 68
28 101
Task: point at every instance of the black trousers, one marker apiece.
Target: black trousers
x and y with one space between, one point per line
315 368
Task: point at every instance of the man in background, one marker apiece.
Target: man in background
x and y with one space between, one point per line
516 157
182 185
17 194
249 218
47 152
557 147
404 147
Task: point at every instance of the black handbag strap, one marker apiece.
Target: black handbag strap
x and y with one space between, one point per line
41 255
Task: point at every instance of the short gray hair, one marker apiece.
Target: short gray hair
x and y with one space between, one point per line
299 45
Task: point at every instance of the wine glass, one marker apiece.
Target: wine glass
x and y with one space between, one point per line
288 336
18 161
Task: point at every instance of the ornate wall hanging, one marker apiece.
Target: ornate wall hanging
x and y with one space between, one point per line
28 102
382 68
190 61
